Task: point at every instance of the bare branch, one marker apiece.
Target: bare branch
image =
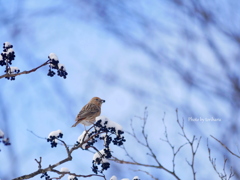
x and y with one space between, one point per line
147 145
147 174
191 143
68 158
144 165
133 134
76 175
36 134
170 144
128 154
225 147
24 72
39 163
223 175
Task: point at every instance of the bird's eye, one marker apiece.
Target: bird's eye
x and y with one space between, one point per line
96 99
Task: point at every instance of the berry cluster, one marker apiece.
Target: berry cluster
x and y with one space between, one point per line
47 177
6 58
104 127
8 55
5 141
103 130
101 157
53 139
72 177
54 64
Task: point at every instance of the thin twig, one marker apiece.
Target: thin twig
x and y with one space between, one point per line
225 147
127 153
68 158
144 165
191 143
36 134
170 144
144 143
223 175
146 173
76 175
39 162
24 72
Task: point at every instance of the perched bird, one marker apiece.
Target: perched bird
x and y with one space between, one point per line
89 112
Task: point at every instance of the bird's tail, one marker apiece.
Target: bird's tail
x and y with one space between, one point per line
75 124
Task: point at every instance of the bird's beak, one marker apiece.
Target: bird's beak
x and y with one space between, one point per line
103 101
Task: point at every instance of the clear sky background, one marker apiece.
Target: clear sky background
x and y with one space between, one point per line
163 55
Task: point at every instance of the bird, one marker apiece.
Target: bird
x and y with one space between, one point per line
89 112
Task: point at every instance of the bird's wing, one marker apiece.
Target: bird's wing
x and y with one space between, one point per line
88 110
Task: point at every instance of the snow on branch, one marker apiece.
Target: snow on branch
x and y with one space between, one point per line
5 141
104 130
8 55
134 178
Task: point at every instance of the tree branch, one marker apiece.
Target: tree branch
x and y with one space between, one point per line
145 143
24 72
191 143
147 174
144 165
223 175
170 144
68 158
225 147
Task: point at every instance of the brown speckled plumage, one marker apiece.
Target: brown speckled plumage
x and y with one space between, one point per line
89 112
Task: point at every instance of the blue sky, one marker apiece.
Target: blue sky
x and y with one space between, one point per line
99 64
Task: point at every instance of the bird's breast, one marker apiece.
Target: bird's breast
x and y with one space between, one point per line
86 122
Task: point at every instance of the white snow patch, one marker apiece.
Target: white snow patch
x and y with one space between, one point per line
10 50
1 134
109 123
63 169
71 177
136 178
99 155
53 56
83 137
13 70
113 178
7 44
55 133
104 136
60 66
1 58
